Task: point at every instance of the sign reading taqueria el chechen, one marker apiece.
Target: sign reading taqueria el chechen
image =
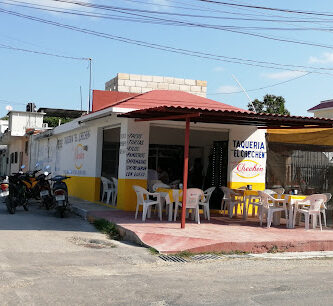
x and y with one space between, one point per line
248 149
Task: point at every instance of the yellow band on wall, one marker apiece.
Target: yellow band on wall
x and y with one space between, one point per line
255 186
87 188
126 194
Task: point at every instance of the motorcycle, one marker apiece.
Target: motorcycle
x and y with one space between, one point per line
60 193
46 196
32 184
4 186
17 192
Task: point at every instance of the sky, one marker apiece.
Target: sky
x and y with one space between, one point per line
51 81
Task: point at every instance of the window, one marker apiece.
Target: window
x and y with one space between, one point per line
15 158
21 159
11 158
26 147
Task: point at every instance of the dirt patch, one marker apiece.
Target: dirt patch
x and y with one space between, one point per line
91 243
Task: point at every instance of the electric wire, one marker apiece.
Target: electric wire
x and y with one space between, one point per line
43 53
172 49
279 39
302 12
259 88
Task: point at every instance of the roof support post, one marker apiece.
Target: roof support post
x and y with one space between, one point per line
185 176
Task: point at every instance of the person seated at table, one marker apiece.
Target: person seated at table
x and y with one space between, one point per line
163 175
195 175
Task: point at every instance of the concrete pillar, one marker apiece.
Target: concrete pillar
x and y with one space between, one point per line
133 161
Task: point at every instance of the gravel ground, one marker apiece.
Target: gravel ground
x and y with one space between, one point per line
46 260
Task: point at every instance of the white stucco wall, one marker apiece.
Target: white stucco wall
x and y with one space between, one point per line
247 155
18 122
326 113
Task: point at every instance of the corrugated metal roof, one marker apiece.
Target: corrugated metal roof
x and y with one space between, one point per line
227 116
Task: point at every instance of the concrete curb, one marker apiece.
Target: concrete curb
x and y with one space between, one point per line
83 213
294 255
125 233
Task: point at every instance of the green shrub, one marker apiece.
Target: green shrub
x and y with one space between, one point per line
107 228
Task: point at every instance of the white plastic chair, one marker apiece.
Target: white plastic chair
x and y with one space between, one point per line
114 191
107 189
254 200
268 207
157 185
226 199
142 196
193 196
205 202
270 192
324 207
314 203
279 191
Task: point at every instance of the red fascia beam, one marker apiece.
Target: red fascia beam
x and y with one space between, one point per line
173 117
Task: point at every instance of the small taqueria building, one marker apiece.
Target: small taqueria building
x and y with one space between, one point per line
138 138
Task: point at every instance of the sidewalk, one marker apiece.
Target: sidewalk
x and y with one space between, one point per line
85 208
220 234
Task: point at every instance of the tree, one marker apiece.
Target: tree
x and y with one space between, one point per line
54 121
271 104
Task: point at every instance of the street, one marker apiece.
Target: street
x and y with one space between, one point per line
46 260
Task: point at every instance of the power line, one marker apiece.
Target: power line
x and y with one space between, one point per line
191 24
175 22
260 88
172 49
43 53
265 8
164 21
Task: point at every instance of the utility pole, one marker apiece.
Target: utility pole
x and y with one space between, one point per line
81 96
89 97
242 88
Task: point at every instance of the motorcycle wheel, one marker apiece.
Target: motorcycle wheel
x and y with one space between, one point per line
61 211
11 208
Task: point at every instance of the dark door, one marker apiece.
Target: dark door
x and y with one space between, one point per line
217 172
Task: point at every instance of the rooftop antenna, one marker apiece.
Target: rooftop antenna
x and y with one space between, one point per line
89 97
242 88
9 108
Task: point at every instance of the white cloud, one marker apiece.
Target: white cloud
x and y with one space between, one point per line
227 89
218 69
284 75
160 5
55 3
325 58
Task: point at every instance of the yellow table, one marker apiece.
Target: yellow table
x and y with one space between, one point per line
171 196
247 196
291 199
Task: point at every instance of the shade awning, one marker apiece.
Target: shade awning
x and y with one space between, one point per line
260 120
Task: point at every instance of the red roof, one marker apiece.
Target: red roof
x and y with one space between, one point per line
322 105
159 98
103 99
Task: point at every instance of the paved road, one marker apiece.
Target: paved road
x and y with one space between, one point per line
45 260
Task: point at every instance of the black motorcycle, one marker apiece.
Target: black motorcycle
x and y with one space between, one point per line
17 193
60 193
46 197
